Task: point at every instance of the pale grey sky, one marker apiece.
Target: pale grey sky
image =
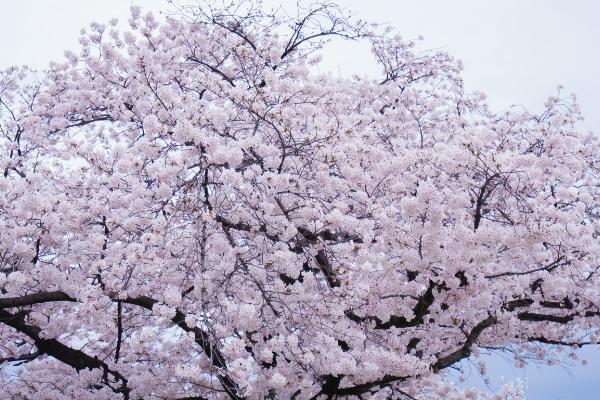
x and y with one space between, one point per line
515 51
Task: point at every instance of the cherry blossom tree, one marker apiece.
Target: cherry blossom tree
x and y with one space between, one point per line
188 210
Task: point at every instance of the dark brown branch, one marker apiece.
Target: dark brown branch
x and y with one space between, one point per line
465 350
22 358
332 14
201 337
536 317
518 303
542 339
89 121
35 298
482 196
74 358
331 385
327 269
37 252
553 265
235 29
419 310
362 388
213 69
119 330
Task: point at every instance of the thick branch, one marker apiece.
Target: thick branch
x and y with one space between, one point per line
536 317
35 298
74 358
419 310
364 387
200 336
119 330
465 350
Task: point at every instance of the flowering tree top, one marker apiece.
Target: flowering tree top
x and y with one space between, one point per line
189 211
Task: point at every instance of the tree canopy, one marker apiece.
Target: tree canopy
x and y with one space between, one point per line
189 210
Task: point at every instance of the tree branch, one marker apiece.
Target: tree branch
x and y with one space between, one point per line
74 358
465 350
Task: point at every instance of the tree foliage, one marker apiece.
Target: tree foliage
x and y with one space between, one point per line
189 210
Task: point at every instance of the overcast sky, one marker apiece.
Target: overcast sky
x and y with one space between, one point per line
515 51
